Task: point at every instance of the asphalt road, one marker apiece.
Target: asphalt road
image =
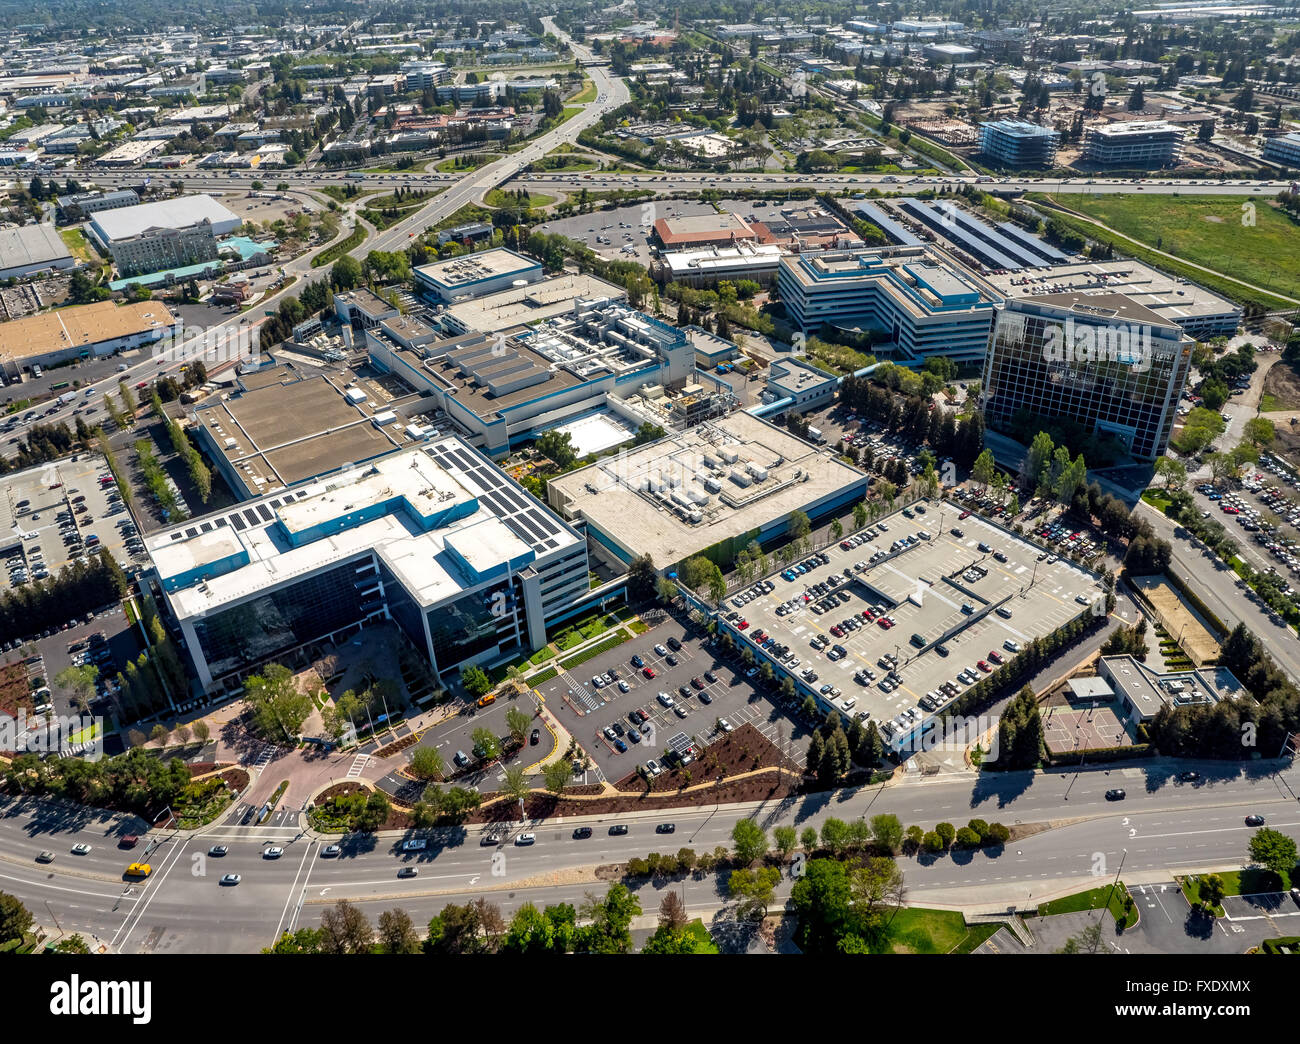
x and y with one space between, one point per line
1216 585
1162 826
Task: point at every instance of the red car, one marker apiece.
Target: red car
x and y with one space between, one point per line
995 656
868 615
649 672
964 514
743 624
983 666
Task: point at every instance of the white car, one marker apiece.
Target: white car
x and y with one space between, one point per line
623 686
272 853
526 839
660 651
81 849
725 725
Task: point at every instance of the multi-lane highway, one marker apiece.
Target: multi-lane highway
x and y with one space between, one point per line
1163 826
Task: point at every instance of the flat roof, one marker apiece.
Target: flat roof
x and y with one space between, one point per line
461 272
80 326
31 245
125 222
283 432
516 306
1172 298
701 228
629 497
418 500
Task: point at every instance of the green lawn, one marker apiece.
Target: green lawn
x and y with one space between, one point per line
587 94
500 198
1157 498
703 941
917 930
1207 230
1268 403
1092 900
75 240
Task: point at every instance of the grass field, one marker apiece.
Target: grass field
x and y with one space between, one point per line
916 930
75 240
1092 900
1209 231
587 94
499 198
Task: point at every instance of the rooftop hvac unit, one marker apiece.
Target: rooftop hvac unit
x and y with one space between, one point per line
741 479
710 461
758 471
698 497
713 485
695 516
680 499
229 443
728 455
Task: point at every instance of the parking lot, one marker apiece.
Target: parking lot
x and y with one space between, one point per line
63 512
882 622
587 710
622 234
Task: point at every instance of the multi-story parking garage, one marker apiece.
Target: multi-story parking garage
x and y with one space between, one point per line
893 614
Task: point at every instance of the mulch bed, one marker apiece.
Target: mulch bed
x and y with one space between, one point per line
397 746
14 690
744 750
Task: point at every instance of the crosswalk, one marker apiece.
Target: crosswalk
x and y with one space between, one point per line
358 763
264 757
580 694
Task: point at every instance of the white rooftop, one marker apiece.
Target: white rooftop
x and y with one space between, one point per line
181 212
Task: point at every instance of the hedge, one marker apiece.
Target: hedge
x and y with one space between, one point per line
617 638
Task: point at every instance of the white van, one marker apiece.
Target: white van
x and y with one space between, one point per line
1003 612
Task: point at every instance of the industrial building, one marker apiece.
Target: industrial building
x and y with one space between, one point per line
506 387
81 331
920 299
475 275
171 233
1100 360
803 384
1134 143
28 249
80 205
280 428
1284 149
1018 143
705 266
719 484
437 539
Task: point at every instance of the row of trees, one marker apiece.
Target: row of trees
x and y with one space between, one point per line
136 781
878 397
198 471
478 927
52 602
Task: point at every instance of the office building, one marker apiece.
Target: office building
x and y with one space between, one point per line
724 482
1018 143
921 300
81 331
1142 693
171 233
1134 143
1284 149
436 539
1102 361
799 384
80 205
475 275
507 386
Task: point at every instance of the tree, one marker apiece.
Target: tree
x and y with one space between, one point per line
1274 850
515 783
672 912
426 763
1259 431
80 681
558 446
750 841
517 722
786 839
799 525
550 930
72 944
556 776
1212 890
397 932
345 929
279 708
641 577
14 918
201 730
475 680
1172 471
486 744
876 892
984 469
821 897
947 832
887 831
1087 941
754 889
808 839
346 273
611 920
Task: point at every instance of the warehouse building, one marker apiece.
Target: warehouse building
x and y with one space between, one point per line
79 332
29 249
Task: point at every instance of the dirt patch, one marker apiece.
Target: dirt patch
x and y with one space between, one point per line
1178 618
744 750
1213 218
14 690
1283 383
